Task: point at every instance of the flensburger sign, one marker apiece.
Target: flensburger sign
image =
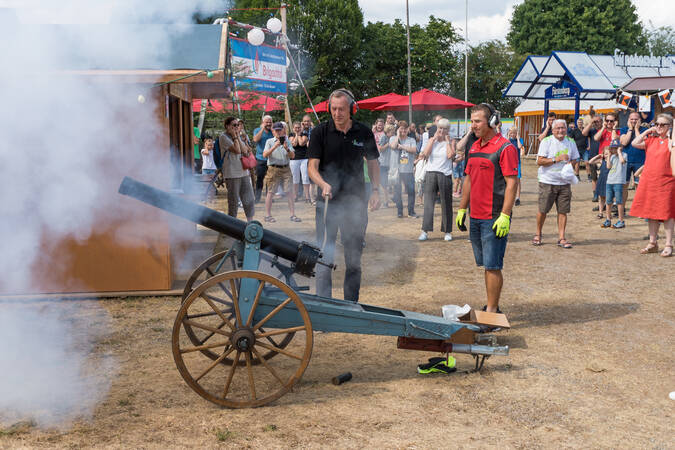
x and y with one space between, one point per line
561 89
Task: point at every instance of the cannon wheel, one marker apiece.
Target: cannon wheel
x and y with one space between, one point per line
225 381
209 268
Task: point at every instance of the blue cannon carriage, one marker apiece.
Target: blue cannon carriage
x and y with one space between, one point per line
243 338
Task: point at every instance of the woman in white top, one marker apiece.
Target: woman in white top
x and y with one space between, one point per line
237 180
439 153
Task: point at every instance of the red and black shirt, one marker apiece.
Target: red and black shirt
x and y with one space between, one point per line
487 165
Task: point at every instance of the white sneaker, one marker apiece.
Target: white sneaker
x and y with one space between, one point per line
423 236
448 237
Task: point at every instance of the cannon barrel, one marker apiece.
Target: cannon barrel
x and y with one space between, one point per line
302 254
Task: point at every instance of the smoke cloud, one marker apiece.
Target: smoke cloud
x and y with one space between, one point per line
66 142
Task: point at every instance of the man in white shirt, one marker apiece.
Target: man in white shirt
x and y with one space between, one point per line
278 151
555 152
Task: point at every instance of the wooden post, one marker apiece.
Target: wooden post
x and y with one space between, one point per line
287 110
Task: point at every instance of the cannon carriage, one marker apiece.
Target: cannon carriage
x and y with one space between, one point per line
243 338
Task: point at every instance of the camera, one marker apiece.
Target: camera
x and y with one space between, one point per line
282 139
304 133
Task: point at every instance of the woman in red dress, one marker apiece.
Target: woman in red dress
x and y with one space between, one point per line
655 196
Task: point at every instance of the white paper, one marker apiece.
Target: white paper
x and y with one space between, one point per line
645 103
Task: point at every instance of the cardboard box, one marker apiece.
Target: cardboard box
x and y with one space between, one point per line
485 318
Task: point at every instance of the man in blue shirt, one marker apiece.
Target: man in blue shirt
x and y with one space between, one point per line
635 157
260 137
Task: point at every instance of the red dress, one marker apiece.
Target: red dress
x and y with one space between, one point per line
655 195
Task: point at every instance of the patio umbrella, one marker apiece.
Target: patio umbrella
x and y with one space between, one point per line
248 101
374 102
319 107
425 100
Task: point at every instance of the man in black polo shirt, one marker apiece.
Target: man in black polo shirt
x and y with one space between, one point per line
336 152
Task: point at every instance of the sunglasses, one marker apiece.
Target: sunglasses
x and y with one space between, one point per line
609 121
662 124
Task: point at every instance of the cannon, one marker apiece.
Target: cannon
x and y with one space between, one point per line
243 338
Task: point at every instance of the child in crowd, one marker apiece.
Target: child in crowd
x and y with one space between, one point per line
601 185
616 177
208 165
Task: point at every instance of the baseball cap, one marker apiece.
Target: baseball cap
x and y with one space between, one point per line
278 126
615 144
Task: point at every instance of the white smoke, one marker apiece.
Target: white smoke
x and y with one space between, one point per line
65 142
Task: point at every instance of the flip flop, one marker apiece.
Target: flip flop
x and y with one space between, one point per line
536 240
564 244
667 251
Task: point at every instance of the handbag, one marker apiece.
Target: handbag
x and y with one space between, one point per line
248 162
420 170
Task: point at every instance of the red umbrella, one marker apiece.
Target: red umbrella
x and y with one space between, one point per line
248 101
319 107
374 102
425 100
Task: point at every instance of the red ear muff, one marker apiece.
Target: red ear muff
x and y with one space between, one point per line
353 106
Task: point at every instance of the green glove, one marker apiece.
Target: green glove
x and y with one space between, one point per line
461 219
502 225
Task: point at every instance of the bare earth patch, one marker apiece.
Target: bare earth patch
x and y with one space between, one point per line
591 361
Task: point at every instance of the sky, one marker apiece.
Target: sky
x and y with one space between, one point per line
488 19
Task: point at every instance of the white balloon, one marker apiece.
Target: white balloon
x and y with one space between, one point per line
256 36
274 25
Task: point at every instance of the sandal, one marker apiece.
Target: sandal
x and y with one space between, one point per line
295 218
563 243
536 240
652 247
270 219
667 251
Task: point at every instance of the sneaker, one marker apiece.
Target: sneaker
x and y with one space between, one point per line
606 224
413 216
517 202
595 199
423 236
448 237
596 208
619 224
438 365
400 215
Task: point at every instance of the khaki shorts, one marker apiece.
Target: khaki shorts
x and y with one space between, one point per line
278 176
549 194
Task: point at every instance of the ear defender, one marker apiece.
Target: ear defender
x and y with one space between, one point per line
353 106
495 116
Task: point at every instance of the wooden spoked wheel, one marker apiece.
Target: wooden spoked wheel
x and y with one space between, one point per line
223 297
241 375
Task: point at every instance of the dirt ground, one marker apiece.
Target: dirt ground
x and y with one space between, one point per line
590 363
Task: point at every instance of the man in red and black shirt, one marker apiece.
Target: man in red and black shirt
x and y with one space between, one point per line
489 190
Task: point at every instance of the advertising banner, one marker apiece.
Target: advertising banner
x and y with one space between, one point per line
258 68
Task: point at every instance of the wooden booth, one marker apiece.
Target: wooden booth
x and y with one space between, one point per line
140 250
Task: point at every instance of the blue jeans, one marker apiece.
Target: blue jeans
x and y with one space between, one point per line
614 191
488 249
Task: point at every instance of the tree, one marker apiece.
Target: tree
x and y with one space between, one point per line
541 26
492 65
660 41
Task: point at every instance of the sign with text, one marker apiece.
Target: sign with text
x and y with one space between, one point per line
258 68
562 89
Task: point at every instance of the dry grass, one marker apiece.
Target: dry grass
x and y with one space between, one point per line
590 365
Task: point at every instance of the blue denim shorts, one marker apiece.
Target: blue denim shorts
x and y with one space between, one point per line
488 249
208 171
458 170
584 155
614 191
631 168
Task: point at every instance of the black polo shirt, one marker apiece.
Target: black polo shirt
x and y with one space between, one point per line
579 139
341 156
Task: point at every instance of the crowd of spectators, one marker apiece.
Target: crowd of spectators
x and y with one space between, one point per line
428 165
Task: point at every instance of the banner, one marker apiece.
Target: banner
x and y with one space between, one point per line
258 68
665 97
562 89
645 103
624 100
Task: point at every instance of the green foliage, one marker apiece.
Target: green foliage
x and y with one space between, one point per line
541 26
492 65
224 435
660 41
